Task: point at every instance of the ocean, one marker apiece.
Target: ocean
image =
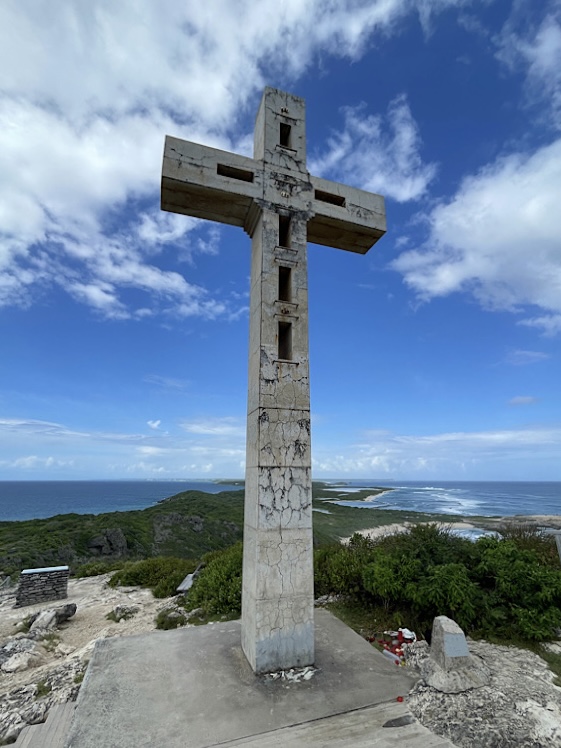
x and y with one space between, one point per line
37 499
21 500
467 498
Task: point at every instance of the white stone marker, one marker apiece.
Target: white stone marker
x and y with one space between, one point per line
281 207
451 668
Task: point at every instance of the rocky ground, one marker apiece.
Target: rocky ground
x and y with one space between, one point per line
520 707
45 665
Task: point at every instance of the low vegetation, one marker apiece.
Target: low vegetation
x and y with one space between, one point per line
218 588
495 586
42 689
505 588
170 619
162 575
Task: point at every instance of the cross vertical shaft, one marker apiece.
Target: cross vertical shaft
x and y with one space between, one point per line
277 598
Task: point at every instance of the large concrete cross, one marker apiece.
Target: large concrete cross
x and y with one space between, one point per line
274 198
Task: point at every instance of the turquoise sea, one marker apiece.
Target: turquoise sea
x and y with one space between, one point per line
484 498
21 500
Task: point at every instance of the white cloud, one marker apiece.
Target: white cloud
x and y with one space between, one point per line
378 154
549 324
20 428
537 51
522 358
157 227
523 400
88 91
215 427
498 239
154 424
150 451
34 462
514 452
167 383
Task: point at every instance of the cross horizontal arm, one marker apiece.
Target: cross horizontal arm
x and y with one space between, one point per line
220 186
208 183
345 217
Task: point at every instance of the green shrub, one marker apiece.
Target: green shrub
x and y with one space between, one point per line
388 578
95 568
528 537
218 588
42 689
495 587
170 619
447 590
524 594
162 574
338 568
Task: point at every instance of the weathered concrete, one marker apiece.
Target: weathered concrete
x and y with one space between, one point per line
451 668
50 734
281 207
383 726
193 688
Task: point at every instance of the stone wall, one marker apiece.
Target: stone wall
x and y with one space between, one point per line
42 585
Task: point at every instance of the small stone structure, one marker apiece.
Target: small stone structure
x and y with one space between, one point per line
42 585
451 668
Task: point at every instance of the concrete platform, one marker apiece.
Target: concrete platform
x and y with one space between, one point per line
193 688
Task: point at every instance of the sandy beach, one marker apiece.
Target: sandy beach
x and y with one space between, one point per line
551 521
381 530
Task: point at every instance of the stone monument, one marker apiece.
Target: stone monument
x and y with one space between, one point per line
282 207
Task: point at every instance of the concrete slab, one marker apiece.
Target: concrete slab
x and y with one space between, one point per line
194 688
382 726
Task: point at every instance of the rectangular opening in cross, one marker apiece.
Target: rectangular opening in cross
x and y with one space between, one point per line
285 341
231 171
285 135
328 197
285 283
284 231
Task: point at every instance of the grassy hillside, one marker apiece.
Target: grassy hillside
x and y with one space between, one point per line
186 525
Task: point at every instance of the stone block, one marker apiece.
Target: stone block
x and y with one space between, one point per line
209 183
278 568
279 634
278 437
345 217
281 108
278 498
451 668
449 647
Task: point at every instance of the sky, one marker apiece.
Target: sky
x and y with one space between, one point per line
124 329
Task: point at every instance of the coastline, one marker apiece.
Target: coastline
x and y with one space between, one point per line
380 531
545 521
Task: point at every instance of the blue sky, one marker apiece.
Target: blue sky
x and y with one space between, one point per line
123 330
